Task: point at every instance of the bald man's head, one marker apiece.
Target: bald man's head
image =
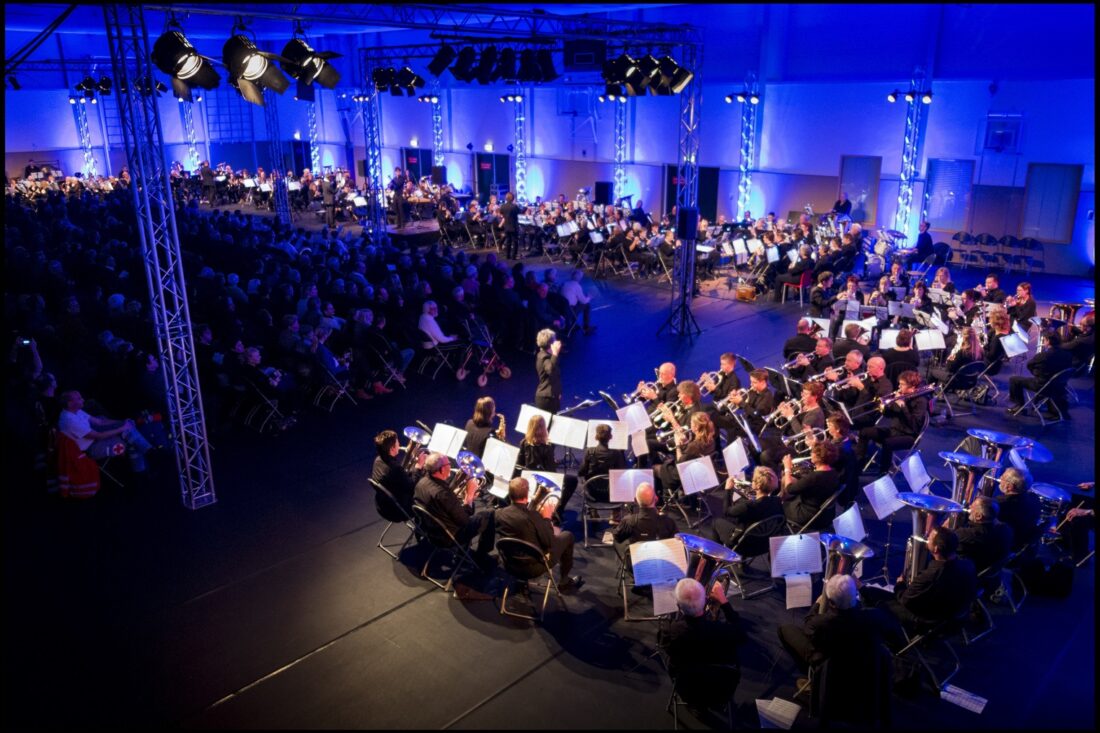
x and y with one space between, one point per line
645 495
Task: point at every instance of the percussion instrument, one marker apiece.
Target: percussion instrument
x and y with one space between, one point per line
927 512
1053 502
418 438
709 562
544 492
967 471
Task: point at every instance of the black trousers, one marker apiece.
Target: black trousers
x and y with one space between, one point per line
511 245
798 645
550 404
561 552
887 442
330 215
482 526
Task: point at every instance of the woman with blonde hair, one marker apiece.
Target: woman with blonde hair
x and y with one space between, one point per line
535 451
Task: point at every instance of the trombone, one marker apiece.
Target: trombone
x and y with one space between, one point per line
879 404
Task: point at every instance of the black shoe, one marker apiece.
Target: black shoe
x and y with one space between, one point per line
573 582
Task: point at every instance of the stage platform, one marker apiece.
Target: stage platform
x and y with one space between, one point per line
273 608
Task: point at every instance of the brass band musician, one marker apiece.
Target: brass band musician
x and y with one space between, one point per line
908 414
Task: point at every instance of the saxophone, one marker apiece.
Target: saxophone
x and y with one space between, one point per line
501 431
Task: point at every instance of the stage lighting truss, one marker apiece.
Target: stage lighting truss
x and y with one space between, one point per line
428 98
174 55
911 96
250 69
304 64
648 74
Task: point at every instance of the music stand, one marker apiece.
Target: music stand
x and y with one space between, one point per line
883 496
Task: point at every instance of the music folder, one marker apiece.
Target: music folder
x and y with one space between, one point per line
596 237
624 482
265 187
931 339
293 186
792 255
360 202
773 255
753 245
500 459
526 412
887 338
634 417
568 432
697 475
446 439
897 308
794 554
658 561
1013 345
883 496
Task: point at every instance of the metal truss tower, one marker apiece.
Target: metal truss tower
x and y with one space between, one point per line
910 151
750 118
437 124
520 146
372 136
314 150
80 115
128 44
187 117
279 193
620 152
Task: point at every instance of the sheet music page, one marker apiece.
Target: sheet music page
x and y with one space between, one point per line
500 458
638 444
736 458
664 598
634 417
499 489
792 554
799 590
872 321
1013 345
619 436
697 475
659 561
1020 331
893 308
940 325
624 482
568 432
526 412
887 338
912 468
964 699
883 496
822 322
932 339
446 439
851 310
850 524
784 712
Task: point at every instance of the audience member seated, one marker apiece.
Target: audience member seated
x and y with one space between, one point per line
101 437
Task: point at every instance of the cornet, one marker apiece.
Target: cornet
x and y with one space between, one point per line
728 402
794 362
800 442
708 382
777 419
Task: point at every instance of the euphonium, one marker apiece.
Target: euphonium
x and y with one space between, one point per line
467 466
545 492
418 438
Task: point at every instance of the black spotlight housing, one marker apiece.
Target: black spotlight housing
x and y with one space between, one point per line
382 77
304 64
486 66
175 56
104 85
545 60
506 65
251 70
442 59
463 67
529 70
408 80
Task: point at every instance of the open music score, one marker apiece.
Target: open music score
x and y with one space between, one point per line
624 482
500 459
883 496
634 417
619 437
887 338
850 524
568 432
931 340
659 561
526 412
736 457
898 308
794 554
697 475
1013 345
916 475
446 439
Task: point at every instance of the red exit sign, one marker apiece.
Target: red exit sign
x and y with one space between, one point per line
486 166
413 159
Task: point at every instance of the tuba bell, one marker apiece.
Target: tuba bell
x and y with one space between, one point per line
418 438
467 466
544 492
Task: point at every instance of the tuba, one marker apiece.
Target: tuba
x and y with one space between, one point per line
467 466
418 438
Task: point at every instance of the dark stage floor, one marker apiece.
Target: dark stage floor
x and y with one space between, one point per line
274 609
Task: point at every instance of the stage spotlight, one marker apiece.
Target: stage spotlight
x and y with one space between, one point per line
382 78
528 68
502 99
650 69
926 98
306 65
613 92
678 76
104 86
545 60
250 69
729 99
486 65
892 96
462 68
442 59
175 56
910 95
408 80
72 100
754 98
506 65
488 147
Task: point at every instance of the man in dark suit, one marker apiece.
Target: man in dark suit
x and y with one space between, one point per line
328 199
548 392
1019 508
985 542
802 342
924 248
397 185
1044 365
388 471
519 521
644 525
434 495
509 224
850 341
206 174
695 643
942 591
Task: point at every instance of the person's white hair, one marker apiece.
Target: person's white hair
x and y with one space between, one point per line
842 592
691 597
434 462
545 337
645 495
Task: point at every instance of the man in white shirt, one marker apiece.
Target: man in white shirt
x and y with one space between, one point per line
98 436
571 290
430 327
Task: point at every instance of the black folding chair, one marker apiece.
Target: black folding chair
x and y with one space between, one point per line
1046 397
442 540
753 543
399 515
525 562
707 687
594 511
961 383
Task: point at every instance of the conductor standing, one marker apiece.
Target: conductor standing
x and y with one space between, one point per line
398 188
548 393
328 198
509 222
206 175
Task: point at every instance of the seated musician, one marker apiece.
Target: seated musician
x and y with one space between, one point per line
821 301
815 364
898 277
802 342
994 351
599 460
846 631
757 403
803 497
644 525
519 521
799 415
794 272
702 443
942 280
985 541
535 451
666 250
967 311
666 385
907 414
902 352
967 349
882 294
433 493
839 432
389 472
919 298
720 390
941 591
1047 362
739 512
480 427
991 291
851 290
694 643
1082 342
851 340
1021 306
1019 508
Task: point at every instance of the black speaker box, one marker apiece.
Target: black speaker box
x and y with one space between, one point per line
687 224
603 192
439 175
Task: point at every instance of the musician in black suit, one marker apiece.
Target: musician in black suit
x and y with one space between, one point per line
548 392
813 364
802 342
397 185
805 413
942 591
509 224
821 297
908 415
985 541
720 390
599 460
519 521
1019 508
1082 342
924 248
740 512
206 174
695 643
480 427
638 214
328 199
793 276
1044 365
388 471
644 525
433 494
991 292
849 341
757 403
803 497
843 207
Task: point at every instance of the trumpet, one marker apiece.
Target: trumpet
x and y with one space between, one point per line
777 419
800 442
708 382
794 362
